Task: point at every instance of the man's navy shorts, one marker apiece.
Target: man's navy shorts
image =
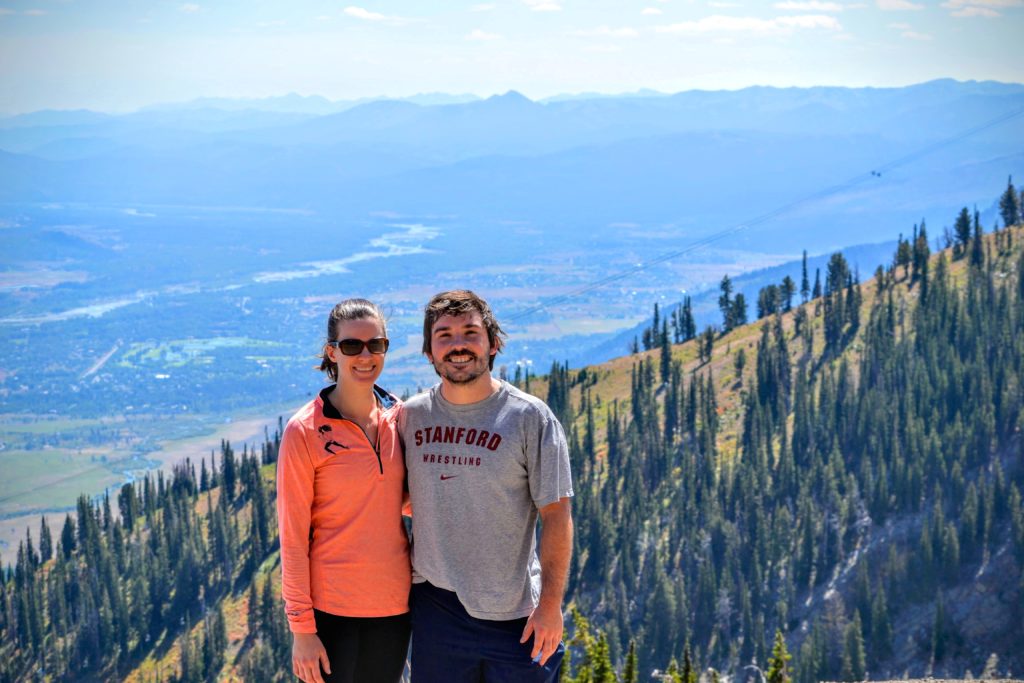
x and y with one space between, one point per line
450 646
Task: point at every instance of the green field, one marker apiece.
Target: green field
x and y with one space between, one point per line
32 425
46 462
180 352
51 478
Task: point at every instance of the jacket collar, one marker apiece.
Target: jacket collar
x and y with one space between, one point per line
386 399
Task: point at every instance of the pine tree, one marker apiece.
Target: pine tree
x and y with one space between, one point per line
706 344
228 470
689 672
666 353
631 670
768 301
805 284
977 245
855 649
904 255
67 537
725 304
787 290
778 663
1009 205
739 363
919 264
45 541
739 311
672 674
689 325
962 231
603 672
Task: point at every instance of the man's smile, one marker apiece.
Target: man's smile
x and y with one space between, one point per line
460 357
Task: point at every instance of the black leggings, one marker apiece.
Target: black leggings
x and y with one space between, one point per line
364 649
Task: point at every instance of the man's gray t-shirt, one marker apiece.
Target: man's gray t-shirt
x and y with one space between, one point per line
478 474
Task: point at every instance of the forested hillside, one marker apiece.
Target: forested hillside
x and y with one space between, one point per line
845 471
172 581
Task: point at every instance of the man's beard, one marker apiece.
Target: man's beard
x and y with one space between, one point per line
464 374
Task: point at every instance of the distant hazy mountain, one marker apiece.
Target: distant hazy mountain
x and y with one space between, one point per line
302 104
563 97
697 160
55 117
429 99
292 102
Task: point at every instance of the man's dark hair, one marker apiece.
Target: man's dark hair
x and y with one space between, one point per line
460 302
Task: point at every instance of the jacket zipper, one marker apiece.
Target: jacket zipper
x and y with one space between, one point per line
373 446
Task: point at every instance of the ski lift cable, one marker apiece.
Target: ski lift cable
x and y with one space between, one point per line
770 215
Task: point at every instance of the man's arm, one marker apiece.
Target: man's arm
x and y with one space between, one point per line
545 624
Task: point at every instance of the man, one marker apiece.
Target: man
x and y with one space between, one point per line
484 460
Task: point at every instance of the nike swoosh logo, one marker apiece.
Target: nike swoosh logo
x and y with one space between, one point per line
446 477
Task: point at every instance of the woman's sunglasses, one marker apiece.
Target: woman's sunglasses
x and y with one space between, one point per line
354 347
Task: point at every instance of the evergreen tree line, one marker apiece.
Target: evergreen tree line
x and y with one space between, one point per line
676 328
683 544
680 326
118 586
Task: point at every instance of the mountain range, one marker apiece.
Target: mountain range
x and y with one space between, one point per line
696 160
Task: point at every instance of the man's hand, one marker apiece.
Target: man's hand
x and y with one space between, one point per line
308 654
545 625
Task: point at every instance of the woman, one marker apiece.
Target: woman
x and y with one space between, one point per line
340 485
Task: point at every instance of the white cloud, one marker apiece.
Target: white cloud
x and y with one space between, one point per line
35 12
965 9
723 24
897 5
604 49
914 35
367 15
481 36
482 8
968 12
651 11
190 8
364 14
607 32
324 17
543 5
991 4
809 6
810 21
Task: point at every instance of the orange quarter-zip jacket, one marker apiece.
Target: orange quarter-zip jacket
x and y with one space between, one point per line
344 549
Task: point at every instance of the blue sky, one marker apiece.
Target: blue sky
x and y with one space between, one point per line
118 56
